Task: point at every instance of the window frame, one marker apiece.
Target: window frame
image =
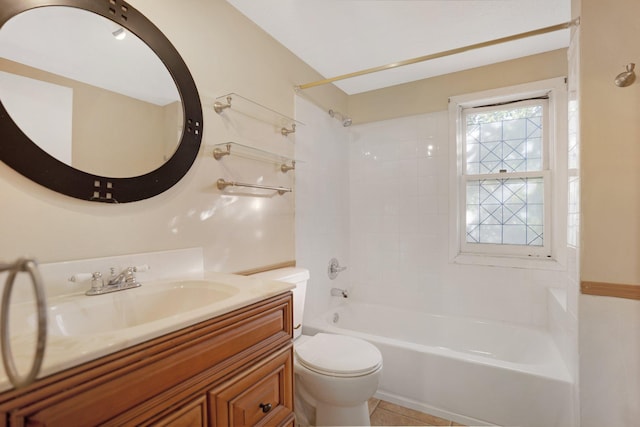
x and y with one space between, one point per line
552 255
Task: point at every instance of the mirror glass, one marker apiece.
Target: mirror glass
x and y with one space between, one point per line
89 92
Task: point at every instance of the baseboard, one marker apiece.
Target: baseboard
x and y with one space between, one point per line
412 404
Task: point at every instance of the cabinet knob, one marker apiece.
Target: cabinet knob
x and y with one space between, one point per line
266 407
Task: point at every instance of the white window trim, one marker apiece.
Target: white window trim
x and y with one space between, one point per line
557 164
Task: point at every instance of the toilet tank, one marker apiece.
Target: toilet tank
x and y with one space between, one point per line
297 276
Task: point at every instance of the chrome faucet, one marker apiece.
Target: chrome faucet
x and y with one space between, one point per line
126 279
337 292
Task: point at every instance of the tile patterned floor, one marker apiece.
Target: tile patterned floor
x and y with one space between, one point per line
388 414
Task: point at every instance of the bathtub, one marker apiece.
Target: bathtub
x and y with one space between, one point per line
471 371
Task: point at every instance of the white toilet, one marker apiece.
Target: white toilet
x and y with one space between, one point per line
335 375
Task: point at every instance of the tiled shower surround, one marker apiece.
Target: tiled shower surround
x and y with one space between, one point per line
399 230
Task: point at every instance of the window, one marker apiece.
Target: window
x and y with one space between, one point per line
504 175
505 163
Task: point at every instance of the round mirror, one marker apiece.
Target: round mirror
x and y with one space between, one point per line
96 102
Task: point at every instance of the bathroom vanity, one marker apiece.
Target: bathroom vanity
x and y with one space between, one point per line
233 369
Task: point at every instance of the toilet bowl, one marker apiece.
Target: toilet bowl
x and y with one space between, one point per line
335 375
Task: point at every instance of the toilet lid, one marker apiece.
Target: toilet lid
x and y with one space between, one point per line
338 355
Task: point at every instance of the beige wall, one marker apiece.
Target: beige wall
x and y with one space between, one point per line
610 209
431 95
610 131
225 53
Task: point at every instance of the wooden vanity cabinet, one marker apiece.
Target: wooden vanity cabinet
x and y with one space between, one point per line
232 370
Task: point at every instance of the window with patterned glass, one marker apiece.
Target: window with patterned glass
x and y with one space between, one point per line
505 176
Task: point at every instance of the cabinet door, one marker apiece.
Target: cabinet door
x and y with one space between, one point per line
193 414
260 395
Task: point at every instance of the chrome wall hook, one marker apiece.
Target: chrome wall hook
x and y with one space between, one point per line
626 78
219 107
218 153
286 168
286 131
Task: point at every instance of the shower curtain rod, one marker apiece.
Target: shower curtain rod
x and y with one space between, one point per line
455 51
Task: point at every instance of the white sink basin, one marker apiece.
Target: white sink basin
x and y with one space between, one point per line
133 307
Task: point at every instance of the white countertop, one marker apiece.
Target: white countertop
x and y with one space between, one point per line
66 351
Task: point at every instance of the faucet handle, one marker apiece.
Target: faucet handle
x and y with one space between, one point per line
334 268
130 277
97 282
135 269
81 277
141 268
96 279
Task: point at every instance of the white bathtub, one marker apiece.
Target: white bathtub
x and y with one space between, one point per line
466 370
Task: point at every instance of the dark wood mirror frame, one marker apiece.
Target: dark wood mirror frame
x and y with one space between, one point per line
25 157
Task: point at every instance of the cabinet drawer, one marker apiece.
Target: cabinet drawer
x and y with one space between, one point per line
258 396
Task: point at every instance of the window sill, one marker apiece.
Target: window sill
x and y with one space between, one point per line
508 261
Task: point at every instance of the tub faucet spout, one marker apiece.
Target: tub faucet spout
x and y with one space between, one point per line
336 292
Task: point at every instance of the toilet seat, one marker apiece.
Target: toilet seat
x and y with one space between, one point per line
338 355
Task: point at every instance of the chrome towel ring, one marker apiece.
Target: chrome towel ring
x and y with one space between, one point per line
29 266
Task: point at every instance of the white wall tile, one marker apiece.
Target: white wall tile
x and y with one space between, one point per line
407 233
323 202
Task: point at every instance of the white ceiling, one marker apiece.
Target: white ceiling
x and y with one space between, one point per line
337 37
